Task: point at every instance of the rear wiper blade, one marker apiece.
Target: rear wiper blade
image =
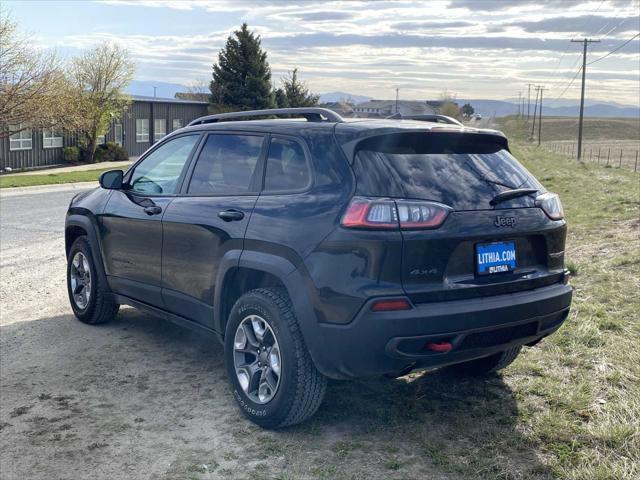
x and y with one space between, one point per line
509 194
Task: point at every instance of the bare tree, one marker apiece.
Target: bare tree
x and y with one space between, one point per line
100 77
198 87
33 88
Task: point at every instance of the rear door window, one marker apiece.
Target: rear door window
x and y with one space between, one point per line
227 165
287 168
464 171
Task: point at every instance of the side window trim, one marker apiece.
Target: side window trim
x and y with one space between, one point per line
307 159
194 160
196 148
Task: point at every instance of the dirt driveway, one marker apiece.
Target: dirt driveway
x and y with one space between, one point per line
142 398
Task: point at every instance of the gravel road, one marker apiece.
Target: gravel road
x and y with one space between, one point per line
140 398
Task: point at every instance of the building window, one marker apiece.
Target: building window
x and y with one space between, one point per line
142 130
51 138
177 123
101 139
159 128
21 140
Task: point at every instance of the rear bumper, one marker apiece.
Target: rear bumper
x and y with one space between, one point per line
385 342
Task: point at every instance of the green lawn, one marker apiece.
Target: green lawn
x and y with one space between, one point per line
7 181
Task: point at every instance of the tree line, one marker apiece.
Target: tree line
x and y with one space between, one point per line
242 78
39 90
85 94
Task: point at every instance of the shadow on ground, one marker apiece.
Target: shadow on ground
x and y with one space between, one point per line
142 398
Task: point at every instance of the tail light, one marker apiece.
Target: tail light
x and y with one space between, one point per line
393 214
551 205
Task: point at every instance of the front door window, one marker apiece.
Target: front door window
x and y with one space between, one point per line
159 172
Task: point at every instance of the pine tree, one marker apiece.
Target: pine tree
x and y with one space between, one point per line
296 92
242 76
281 98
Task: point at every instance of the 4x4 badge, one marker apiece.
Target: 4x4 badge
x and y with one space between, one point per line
505 221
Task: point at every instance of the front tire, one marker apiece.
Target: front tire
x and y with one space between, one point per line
272 375
88 295
487 365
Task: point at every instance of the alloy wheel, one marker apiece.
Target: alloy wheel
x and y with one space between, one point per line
256 357
80 278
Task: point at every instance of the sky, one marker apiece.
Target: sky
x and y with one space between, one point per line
487 49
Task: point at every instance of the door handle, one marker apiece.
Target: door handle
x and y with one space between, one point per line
153 210
231 215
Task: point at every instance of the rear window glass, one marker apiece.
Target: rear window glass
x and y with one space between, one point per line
462 171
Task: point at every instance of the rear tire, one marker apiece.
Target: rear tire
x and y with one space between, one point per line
263 321
88 294
487 365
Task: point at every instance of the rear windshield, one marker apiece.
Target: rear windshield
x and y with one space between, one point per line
464 171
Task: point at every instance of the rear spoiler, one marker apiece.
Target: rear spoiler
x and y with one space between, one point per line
350 146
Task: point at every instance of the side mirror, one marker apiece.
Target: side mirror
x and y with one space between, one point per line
112 179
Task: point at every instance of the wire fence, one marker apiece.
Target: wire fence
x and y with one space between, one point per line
610 155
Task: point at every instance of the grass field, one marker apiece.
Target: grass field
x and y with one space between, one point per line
567 408
614 141
7 181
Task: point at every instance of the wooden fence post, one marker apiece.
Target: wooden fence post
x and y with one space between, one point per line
635 168
620 164
608 155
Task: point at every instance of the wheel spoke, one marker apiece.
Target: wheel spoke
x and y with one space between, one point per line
270 377
251 337
259 328
255 374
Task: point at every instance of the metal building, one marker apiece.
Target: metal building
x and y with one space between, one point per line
147 120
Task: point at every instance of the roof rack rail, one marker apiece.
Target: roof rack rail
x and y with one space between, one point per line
312 114
429 117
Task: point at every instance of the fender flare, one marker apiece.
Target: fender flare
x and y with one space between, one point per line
292 279
89 225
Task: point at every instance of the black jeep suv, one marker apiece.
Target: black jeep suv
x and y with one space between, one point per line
326 248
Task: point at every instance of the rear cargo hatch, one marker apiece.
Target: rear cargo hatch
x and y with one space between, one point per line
483 247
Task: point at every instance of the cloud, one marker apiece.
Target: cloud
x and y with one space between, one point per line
499 5
301 41
581 24
429 25
323 16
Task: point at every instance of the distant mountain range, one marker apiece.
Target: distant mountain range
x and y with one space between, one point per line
163 89
342 96
486 108
499 108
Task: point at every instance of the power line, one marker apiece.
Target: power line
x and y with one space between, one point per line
566 88
615 49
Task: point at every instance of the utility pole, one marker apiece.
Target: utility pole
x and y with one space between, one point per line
539 117
528 99
520 113
584 42
397 98
535 109
154 91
